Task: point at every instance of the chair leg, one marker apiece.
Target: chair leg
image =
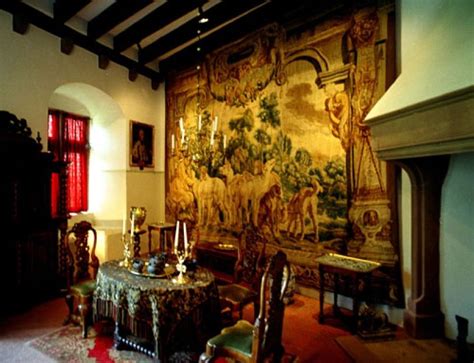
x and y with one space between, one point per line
278 354
204 358
70 304
256 309
83 311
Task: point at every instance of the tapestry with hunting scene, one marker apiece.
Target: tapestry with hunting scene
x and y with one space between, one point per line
269 131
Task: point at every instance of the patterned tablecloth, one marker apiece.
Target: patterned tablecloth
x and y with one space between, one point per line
139 302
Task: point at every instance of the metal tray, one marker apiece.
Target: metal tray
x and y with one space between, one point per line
167 272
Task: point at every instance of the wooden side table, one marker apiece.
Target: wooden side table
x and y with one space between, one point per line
355 268
162 229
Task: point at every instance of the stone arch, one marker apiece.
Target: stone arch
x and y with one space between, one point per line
108 144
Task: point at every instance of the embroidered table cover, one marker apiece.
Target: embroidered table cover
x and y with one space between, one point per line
139 302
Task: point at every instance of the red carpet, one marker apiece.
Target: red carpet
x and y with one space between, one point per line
309 340
67 345
304 340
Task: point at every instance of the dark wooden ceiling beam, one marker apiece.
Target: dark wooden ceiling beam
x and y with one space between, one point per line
103 61
217 15
67 46
157 19
307 13
20 24
228 34
64 10
48 24
114 15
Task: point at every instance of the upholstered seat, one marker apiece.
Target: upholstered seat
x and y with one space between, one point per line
85 288
260 342
82 270
237 338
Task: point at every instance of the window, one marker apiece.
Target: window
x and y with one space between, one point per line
68 140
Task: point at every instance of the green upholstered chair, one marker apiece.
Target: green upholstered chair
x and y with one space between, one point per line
261 341
82 267
248 272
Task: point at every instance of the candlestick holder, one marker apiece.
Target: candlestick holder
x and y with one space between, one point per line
127 251
181 267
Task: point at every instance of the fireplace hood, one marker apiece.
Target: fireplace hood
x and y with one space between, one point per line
429 109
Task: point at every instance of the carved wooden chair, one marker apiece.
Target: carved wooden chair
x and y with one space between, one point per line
260 342
82 267
248 272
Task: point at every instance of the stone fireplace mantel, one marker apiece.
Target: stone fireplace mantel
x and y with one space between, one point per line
439 126
420 138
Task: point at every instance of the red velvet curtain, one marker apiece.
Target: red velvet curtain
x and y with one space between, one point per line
76 154
53 147
68 140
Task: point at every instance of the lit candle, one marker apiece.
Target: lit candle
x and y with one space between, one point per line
199 122
224 141
185 239
176 238
172 142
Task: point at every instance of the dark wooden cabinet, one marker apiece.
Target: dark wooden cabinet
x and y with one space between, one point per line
29 234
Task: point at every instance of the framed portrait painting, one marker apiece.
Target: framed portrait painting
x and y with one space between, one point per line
141 145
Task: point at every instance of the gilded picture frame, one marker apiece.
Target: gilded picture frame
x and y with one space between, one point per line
142 138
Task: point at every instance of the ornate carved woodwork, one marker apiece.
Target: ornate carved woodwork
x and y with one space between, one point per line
265 335
83 266
29 233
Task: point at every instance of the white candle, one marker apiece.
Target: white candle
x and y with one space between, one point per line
182 136
185 239
212 137
176 238
181 124
132 227
172 142
199 122
224 141
215 123
124 224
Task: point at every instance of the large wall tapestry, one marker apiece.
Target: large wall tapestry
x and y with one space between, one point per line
270 131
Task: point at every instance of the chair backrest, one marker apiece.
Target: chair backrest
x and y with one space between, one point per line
82 262
269 324
250 263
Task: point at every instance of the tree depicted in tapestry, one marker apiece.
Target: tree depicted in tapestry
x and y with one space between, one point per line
274 137
295 195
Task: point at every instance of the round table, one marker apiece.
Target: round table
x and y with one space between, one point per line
153 308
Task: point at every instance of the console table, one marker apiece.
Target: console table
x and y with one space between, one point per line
355 268
162 229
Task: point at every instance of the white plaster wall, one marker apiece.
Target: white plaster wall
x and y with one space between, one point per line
32 68
457 244
436 52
